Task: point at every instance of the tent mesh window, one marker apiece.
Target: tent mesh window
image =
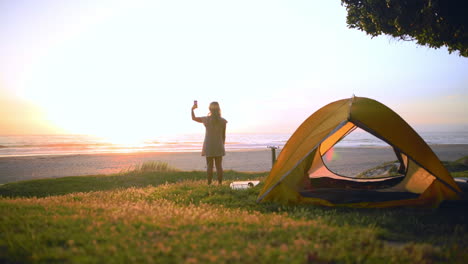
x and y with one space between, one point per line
336 182
380 159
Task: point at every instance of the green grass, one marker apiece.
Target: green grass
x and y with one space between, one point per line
387 169
459 174
458 168
175 217
149 166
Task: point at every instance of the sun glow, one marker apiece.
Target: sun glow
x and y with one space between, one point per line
121 119
125 139
130 70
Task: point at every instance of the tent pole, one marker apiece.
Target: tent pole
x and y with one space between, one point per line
273 154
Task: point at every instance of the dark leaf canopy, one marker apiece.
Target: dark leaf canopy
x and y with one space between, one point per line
433 23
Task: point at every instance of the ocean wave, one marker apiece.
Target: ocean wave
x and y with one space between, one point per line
70 144
57 145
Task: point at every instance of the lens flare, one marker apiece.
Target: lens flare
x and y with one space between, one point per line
331 155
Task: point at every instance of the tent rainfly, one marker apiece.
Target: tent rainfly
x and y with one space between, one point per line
300 175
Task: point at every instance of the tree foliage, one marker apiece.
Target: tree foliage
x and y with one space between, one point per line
433 23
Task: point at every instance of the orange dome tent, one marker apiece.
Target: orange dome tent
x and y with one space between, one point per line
298 174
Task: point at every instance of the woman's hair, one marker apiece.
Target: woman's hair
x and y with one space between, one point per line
215 111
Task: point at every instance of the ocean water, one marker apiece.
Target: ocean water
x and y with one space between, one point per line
35 145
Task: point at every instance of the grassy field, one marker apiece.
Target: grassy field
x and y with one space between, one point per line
174 217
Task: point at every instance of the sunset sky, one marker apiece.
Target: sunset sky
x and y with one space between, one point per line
133 68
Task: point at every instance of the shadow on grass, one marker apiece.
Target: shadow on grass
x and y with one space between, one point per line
442 226
65 185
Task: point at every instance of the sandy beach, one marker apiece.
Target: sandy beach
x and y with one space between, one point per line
347 161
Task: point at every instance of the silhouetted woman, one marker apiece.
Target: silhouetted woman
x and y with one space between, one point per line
215 136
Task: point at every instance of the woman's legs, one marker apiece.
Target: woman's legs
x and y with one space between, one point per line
209 168
218 162
219 168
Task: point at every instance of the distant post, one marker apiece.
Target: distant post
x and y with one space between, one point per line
273 154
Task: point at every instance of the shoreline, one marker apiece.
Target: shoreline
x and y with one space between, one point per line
120 153
346 160
198 151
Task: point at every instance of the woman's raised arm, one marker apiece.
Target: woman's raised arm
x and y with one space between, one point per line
194 118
